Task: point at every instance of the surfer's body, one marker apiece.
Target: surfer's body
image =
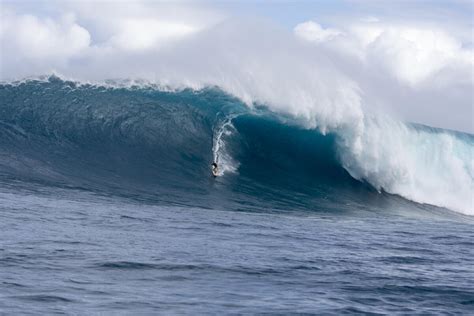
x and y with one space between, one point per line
215 169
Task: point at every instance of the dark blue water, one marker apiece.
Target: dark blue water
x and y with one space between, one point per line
107 206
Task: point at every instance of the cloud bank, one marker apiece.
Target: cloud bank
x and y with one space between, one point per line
412 54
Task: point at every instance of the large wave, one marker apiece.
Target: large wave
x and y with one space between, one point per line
148 143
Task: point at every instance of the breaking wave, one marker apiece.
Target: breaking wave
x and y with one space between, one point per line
145 142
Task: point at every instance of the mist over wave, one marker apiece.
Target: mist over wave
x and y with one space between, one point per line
149 143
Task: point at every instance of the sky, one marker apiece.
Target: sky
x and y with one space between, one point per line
314 59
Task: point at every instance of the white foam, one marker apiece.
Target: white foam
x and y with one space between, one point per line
421 165
223 131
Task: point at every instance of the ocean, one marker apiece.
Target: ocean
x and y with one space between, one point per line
108 206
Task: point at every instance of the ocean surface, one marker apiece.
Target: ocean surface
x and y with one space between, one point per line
108 206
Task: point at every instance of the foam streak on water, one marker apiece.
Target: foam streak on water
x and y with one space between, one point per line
221 156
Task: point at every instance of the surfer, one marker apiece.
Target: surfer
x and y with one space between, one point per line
215 169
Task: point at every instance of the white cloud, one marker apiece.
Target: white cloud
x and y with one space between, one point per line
76 30
140 34
32 45
31 37
415 54
138 25
313 32
411 53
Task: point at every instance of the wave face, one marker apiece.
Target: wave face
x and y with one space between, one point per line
157 146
